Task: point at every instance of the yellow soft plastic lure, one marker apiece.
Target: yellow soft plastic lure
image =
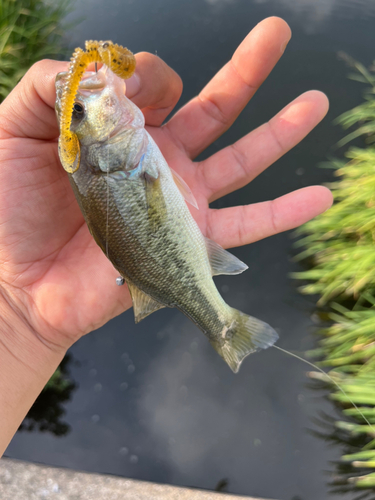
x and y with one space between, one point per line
119 59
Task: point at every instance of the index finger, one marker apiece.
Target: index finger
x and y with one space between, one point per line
212 112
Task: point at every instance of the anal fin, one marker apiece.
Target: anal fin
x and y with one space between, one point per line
143 304
223 262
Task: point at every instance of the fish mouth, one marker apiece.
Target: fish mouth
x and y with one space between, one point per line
92 81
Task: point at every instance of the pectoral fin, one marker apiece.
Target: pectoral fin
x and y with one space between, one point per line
143 304
223 262
184 189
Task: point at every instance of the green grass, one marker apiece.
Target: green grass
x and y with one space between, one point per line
340 247
30 30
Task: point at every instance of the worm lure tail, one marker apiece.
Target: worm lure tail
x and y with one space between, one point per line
119 59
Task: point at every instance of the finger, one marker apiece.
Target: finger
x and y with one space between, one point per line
236 165
155 88
208 115
236 226
28 111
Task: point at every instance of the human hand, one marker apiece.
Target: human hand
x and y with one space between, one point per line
51 270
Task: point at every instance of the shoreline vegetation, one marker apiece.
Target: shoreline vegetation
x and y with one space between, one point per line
30 30
339 248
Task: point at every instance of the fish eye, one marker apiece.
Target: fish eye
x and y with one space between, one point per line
78 111
78 108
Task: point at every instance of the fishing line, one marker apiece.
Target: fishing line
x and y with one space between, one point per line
330 378
107 222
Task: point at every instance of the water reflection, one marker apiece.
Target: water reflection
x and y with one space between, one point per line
48 411
220 2
341 477
200 416
320 10
222 486
312 13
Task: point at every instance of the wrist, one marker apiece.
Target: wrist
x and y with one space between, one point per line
26 365
19 336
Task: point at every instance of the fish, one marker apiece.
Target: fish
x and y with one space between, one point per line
135 207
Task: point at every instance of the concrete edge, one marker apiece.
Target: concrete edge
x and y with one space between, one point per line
28 481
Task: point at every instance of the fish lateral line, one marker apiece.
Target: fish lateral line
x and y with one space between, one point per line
330 379
119 59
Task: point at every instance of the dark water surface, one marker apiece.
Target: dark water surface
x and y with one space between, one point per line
154 401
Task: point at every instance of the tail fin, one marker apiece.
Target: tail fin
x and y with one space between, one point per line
244 336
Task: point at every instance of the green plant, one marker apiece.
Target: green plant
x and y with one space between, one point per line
29 31
340 246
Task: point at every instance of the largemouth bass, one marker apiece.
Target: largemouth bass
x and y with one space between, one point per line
135 208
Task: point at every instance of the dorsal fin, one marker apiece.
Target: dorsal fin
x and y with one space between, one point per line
143 304
223 262
184 189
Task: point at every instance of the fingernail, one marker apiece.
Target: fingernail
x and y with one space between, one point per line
133 85
283 45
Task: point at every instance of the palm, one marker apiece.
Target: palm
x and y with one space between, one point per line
49 261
